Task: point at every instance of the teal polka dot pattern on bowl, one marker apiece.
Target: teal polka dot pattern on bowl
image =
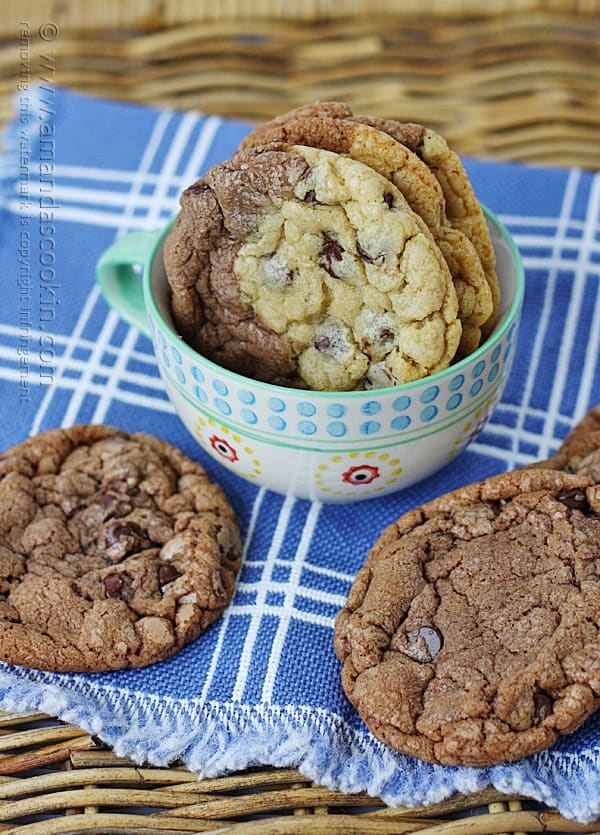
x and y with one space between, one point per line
308 418
429 413
337 429
401 403
222 405
372 407
478 369
200 394
276 405
277 423
336 410
197 374
220 387
454 402
306 409
412 413
430 394
400 423
370 427
245 396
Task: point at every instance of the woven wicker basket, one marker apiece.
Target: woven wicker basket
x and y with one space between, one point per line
57 779
512 79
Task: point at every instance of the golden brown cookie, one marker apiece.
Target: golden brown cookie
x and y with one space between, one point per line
462 207
116 550
472 634
304 267
311 125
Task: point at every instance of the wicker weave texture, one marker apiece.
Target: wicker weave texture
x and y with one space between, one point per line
54 778
90 14
521 86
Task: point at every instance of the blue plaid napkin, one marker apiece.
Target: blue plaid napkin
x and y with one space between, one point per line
261 686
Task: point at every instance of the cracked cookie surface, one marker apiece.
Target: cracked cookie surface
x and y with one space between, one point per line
116 550
471 634
329 126
299 266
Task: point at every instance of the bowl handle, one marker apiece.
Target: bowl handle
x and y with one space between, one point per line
120 282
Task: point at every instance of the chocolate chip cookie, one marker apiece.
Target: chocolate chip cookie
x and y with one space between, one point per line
299 266
471 634
463 210
116 550
311 125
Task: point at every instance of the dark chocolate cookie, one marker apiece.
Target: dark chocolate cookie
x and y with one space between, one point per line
116 550
471 635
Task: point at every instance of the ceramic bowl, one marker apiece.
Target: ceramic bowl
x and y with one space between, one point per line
327 446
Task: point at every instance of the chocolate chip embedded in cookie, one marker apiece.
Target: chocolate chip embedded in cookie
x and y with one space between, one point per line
116 550
471 634
328 126
303 267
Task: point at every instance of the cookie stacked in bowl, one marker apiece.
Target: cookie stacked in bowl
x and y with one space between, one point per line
333 313
333 252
